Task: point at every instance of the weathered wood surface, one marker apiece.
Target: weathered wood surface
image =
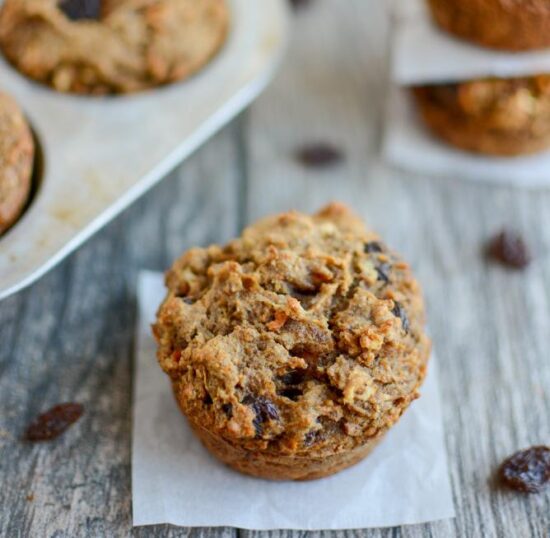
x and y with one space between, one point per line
70 336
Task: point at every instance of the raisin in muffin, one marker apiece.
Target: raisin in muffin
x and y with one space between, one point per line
16 161
293 349
492 116
501 24
111 46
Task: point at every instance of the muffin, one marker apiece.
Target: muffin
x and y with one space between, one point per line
493 116
500 24
16 161
293 349
114 46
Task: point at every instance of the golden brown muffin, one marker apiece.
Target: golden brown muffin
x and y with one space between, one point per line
293 349
117 46
500 24
16 161
491 116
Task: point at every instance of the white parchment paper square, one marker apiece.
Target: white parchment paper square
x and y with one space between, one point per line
174 480
409 145
423 53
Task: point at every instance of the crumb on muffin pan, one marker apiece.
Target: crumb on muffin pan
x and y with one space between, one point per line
102 153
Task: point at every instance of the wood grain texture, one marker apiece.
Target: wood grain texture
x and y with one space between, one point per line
70 336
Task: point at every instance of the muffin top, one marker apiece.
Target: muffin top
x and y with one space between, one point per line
512 103
16 160
111 46
304 335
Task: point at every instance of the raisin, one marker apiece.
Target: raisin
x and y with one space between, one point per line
299 4
314 436
373 246
310 437
399 312
227 408
527 471
207 399
305 296
264 410
81 9
54 422
292 393
293 377
509 248
319 155
383 271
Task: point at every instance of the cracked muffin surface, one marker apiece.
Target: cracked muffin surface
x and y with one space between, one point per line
494 116
16 161
111 46
294 348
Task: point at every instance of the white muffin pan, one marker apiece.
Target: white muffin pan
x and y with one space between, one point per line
100 154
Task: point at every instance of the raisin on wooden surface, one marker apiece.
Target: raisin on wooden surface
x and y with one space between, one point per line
509 248
299 4
527 471
319 155
54 422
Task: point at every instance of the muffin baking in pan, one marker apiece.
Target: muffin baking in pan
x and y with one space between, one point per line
492 116
501 24
293 349
102 153
114 46
16 161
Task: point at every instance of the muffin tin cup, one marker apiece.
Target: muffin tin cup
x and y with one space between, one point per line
101 154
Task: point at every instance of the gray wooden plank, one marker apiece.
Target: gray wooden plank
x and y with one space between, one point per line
70 338
491 327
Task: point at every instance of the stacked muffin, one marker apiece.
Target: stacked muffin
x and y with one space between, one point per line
492 116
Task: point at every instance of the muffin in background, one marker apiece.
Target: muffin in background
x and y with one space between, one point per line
503 117
293 349
114 46
16 161
501 24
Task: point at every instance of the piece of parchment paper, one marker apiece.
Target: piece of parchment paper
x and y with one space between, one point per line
174 480
423 53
